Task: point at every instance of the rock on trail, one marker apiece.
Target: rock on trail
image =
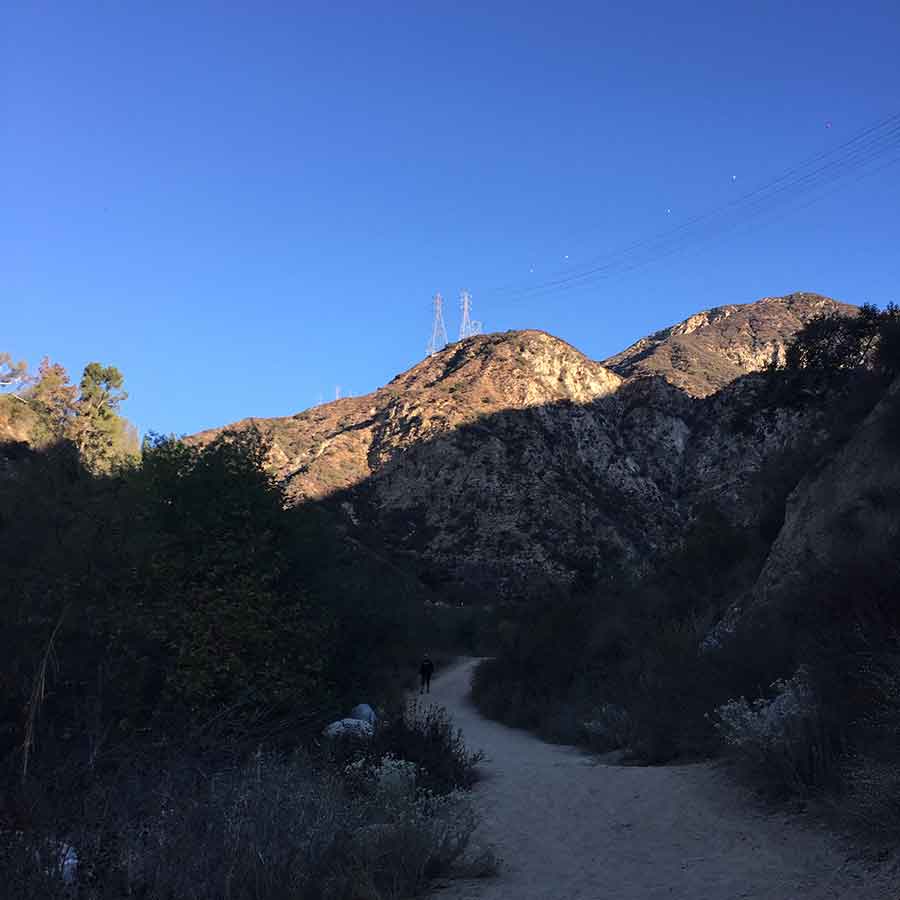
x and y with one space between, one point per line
570 828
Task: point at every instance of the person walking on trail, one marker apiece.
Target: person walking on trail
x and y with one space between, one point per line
426 670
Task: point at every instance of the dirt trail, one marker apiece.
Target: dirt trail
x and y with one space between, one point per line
569 828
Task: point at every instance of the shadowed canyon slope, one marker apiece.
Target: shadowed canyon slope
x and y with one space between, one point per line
844 513
509 454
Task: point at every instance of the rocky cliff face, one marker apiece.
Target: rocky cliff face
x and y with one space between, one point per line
510 454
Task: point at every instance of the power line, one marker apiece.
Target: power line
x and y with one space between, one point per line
683 246
883 142
822 170
759 202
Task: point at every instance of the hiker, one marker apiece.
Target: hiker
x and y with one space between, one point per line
426 670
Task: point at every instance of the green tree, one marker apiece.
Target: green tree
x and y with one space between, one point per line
53 399
99 432
831 344
888 356
219 586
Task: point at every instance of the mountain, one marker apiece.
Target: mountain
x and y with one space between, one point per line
712 348
509 457
474 459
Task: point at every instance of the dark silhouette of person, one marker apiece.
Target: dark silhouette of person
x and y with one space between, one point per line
426 670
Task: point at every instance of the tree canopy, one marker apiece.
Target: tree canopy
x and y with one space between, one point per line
829 345
88 414
188 594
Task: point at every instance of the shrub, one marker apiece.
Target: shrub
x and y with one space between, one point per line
781 741
408 839
425 736
271 829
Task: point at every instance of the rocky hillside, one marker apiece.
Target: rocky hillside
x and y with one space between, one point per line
475 460
338 445
512 454
712 348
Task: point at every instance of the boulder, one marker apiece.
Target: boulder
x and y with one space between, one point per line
353 728
364 712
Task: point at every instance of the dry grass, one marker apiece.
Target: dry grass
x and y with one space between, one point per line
275 828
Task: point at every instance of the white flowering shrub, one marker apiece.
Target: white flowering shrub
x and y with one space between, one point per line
396 778
386 777
780 739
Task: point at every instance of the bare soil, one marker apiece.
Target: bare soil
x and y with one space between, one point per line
570 827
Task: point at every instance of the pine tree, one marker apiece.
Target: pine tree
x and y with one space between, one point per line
53 400
98 431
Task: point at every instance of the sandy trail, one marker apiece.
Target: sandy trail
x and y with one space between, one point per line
569 828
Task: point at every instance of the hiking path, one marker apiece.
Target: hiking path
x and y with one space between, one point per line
570 827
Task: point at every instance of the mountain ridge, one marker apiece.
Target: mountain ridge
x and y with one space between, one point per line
709 349
513 454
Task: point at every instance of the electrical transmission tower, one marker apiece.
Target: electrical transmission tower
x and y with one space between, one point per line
438 331
468 327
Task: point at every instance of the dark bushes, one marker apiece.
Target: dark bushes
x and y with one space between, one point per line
797 689
201 632
635 648
194 598
830 723
273 828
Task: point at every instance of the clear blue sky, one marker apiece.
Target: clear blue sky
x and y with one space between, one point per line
244 205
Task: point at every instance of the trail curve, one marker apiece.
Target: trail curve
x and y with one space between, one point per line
570 828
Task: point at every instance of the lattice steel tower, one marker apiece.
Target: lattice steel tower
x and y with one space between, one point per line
468 327
438 331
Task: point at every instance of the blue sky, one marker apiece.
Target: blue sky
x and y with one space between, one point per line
244 205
